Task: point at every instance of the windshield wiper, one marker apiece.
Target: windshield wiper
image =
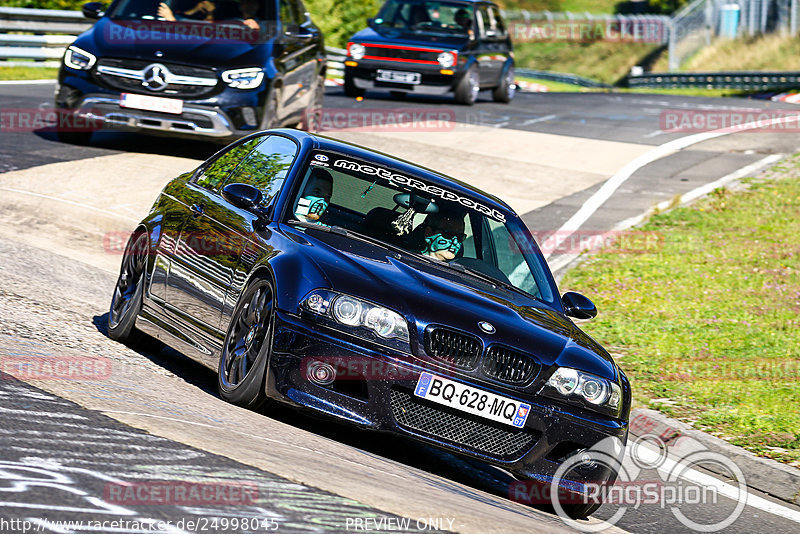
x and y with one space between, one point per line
490 279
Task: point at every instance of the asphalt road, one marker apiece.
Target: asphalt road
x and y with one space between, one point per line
316 475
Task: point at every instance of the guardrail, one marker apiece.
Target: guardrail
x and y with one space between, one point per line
562 77
744 80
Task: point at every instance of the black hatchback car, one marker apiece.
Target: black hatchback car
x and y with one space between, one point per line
433 47
217 69
373 291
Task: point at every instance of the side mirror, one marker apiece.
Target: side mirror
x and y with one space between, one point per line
92 10
578 306
243 196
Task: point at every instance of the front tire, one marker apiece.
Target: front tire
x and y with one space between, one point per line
248 346
468 87
507 89
128 293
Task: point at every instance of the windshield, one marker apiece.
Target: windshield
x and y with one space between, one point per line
424 219
241 11
421 16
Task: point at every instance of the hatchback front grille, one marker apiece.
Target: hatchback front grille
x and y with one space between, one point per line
395 53
508 365
459 350
430 420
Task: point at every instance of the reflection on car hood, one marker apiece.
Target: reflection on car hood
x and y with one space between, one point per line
399 37
437 294
118 39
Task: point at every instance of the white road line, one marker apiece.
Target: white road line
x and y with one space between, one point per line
612 184
539 119
26 82
74 203
647 454
563 260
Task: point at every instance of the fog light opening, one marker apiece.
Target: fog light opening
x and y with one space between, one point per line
320 373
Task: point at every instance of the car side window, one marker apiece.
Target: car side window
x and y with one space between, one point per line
214 175
496 21
290 16
266 166
482 17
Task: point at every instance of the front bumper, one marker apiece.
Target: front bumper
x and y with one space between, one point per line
194 120
432 82
378 394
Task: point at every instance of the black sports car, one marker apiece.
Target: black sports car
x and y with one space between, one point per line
344 281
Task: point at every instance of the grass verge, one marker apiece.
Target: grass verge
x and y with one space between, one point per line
706 325
28 73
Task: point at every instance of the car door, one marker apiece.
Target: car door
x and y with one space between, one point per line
265 168
492 49
207 249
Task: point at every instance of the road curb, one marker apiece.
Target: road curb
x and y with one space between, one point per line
763 474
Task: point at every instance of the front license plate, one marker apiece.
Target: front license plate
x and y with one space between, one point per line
151 103
396 76
472 400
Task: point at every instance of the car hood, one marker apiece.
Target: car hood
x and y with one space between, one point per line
141 39
398 37
428 293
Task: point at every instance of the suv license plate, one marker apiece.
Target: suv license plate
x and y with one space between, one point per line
396 76
151 103
472 400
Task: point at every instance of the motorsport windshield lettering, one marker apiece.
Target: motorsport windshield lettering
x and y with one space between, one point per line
401 180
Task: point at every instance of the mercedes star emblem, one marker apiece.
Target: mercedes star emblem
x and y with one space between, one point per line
155 77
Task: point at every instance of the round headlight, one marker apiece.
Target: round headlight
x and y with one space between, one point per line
594 391
357 51
347 311
565 380
382 321
446 60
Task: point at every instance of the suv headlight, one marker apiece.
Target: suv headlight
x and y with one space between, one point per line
78 59
356 50
249 78
358 317
446 59
593 389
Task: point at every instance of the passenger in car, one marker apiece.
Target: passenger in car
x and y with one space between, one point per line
203 10
443 235
316 196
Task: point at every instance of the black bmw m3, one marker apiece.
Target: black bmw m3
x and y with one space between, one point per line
336 279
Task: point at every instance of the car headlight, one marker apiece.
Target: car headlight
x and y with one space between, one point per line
78 59
446 59
249 78
357 316
356 50
593 389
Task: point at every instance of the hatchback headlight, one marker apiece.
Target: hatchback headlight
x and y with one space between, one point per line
249 78
356 315
356 50
446 59
79 59
593 389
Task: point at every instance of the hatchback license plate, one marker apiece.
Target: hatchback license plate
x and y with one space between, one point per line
396 76
472 400
151 103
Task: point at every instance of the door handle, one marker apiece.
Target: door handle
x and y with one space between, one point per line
196 209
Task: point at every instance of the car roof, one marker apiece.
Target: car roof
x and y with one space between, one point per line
432 176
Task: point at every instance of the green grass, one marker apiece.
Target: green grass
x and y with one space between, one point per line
774 52
28 73
708 320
